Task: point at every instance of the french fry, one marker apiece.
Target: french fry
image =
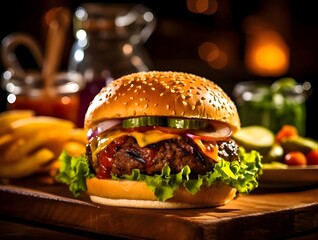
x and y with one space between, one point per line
52 166
23 147
32 144
27 127
27 166
78 135
5 141
75 148
7 117
9 155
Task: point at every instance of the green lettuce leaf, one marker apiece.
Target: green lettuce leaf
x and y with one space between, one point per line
73 172
242 175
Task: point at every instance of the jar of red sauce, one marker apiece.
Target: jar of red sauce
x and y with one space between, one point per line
60 99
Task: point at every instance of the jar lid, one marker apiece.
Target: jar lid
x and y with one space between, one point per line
32 84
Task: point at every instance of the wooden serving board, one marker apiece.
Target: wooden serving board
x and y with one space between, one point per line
257 215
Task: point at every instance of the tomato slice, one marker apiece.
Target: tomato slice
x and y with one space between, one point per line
206 136
138 129
217 131
170 130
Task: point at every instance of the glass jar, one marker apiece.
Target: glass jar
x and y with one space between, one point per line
109 44
272 104
60 100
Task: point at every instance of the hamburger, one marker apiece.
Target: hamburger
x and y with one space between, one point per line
161 139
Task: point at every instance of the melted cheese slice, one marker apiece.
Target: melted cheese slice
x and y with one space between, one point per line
211 149
143 139
153 136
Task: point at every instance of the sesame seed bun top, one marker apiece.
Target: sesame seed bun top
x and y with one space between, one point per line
162 93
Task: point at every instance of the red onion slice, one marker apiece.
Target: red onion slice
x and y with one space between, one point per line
102 127
217 131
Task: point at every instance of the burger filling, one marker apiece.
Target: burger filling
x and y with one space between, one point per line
178 152
125 154
150 143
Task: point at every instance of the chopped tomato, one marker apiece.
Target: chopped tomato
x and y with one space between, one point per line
286 131
138 129
312 157
171 130
295 158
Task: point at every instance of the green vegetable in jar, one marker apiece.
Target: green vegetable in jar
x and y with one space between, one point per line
273 105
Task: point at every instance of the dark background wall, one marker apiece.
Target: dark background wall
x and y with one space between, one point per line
179 32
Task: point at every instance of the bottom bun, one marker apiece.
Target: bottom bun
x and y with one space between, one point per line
136 194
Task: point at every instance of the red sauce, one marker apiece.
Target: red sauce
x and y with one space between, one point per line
65 107
105 164
105 158
149 157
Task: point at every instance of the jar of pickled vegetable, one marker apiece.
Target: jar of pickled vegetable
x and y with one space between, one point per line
272 104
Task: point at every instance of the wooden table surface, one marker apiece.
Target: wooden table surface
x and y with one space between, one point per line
51 210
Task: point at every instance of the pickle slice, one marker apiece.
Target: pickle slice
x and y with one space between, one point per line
187 123
299 143
143 121
256 138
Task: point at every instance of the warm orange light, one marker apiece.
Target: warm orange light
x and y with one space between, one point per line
65 100
270 57
220 62
208 51
213 55
267 54
207 7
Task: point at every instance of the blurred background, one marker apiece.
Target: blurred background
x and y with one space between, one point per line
222 40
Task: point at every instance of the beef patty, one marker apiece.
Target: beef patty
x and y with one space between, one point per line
124 154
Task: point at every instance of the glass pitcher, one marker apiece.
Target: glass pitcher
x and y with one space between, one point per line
109 44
